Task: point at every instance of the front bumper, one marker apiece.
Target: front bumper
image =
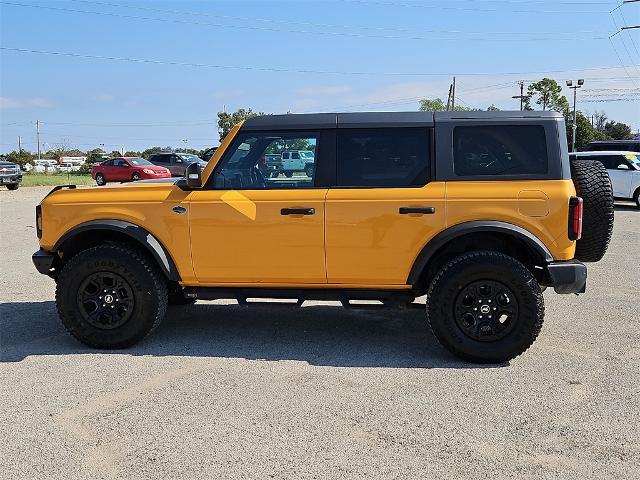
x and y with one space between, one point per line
43 261
567 277
9 179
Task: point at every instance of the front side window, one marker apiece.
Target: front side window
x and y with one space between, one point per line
391 157
259 161
499 149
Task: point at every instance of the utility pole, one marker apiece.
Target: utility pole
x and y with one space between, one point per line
522 96
453 95
38 136
449 98
574 126
19 144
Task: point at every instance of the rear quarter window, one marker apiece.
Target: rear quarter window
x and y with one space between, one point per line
500 149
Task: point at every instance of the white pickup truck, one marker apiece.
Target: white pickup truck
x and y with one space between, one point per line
291 161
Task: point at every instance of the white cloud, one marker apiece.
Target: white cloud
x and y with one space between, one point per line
6 103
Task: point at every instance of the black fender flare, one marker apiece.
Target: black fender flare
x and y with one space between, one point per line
475 226
136 232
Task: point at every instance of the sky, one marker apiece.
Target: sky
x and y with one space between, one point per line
137 74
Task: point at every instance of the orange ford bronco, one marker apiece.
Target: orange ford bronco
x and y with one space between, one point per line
479 211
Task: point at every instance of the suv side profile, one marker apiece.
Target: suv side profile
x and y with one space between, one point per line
479 211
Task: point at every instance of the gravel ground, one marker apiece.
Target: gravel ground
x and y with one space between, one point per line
221 391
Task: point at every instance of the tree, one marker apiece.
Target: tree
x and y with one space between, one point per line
437 105
226 120
585 132
549 95
150 151
131 153
599 119
493 108
115 153
21 158
618 130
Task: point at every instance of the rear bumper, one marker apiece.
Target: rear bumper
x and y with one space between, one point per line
568 277
43 261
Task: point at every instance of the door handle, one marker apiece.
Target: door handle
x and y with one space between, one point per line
297 211
419 210
179 209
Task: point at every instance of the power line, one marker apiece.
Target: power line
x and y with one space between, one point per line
280 30
476 9
319 25
286 70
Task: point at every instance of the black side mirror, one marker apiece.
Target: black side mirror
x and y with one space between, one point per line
193 176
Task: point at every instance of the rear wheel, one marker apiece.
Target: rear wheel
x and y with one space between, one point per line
100 180
485 307
636 198
593 185
111 296
13 186
288 174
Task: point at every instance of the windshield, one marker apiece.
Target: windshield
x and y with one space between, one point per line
189 158
635 160
138 162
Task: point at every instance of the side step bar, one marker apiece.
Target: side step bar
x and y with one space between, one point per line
393 299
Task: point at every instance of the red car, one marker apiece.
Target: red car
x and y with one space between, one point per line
124 169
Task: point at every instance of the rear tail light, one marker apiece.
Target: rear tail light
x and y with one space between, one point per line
575 218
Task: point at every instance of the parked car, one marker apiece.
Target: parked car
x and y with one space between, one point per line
480 224
208 153
613 145
124 169
623 169
68 167
176 163
10 174
290 162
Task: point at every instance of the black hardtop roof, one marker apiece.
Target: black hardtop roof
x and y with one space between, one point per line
306 121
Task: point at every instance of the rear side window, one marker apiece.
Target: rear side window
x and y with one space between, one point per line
391 157
499 149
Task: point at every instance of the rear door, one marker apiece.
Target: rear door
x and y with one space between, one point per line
383 208
620 171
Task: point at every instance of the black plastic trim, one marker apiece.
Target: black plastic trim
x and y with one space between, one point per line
568 277
475 226
157 250
43 261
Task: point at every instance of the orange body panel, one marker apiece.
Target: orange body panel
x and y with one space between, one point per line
356 239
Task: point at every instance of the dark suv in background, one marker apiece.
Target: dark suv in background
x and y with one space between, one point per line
613 145
177 163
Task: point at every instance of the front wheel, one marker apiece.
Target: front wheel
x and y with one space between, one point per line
636 197
485 307
111 296
13 186
135 176
100 180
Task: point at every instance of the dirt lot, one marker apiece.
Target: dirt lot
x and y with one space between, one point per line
221 391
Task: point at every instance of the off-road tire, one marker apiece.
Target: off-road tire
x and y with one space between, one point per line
494 267
100 179
146 282
288 174
13 186
593 185
636 198
308 170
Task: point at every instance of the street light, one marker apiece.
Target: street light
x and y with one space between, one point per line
574 126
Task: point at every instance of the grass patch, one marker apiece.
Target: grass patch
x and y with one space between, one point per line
40 179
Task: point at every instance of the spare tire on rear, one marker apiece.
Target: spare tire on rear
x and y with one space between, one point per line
593 185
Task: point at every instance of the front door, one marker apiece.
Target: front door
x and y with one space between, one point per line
248 229
383 209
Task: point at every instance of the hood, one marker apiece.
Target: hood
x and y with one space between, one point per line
4 164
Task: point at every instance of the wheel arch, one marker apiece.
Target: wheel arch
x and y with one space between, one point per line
96 231
478 235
